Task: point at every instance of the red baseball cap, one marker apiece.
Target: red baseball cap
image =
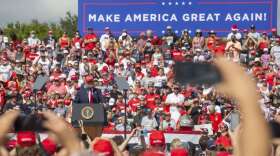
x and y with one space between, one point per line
273 30
74 77
11 144
26 138
179 152
157 138
67 102
103 147
49 146
56 78
105 69
234 27
88 79
153 153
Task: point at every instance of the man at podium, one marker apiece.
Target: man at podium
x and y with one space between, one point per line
88 106
88 93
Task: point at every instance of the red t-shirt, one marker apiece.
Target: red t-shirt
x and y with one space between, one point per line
154 72
270 78
177 55
224 140
139 75
151 101
91 45
215 119
77 40
133 103
64 42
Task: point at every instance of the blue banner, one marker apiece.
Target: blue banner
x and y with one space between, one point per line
139 15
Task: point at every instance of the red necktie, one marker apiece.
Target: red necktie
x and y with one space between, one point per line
90 96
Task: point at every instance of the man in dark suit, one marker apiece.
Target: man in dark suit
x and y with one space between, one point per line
88 93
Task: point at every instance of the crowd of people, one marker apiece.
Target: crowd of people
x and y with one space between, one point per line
83 69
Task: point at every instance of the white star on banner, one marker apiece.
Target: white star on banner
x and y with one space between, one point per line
183 3
190 31
163 31
176 31
190 3
163 3
176 3
169 3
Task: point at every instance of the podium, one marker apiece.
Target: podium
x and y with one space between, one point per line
93 117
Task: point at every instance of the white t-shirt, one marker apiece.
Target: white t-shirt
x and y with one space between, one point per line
275 51
104 40
5 72
175 100
149 124
237 36
159 80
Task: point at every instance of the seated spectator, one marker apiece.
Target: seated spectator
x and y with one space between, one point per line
149 121
120 126
167 124
185 123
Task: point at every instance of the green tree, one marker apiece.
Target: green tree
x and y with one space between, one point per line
67 24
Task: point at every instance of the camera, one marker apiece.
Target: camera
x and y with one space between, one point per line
32 122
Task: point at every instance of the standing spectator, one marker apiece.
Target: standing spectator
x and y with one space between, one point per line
50 41
77 41
275 53
33 41
160 79
233 49
170 36
254 33
198 41
175 100
185 40
105 39
215 118
151 97
234 32
211 41
64 41
90 40
57 87
263 42
273 37
125 40
5 70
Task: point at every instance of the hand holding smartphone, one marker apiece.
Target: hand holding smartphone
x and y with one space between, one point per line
197 73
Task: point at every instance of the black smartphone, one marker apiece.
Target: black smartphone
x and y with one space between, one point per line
275 129
32 122
196 73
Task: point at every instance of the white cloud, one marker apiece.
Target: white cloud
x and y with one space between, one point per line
42 10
